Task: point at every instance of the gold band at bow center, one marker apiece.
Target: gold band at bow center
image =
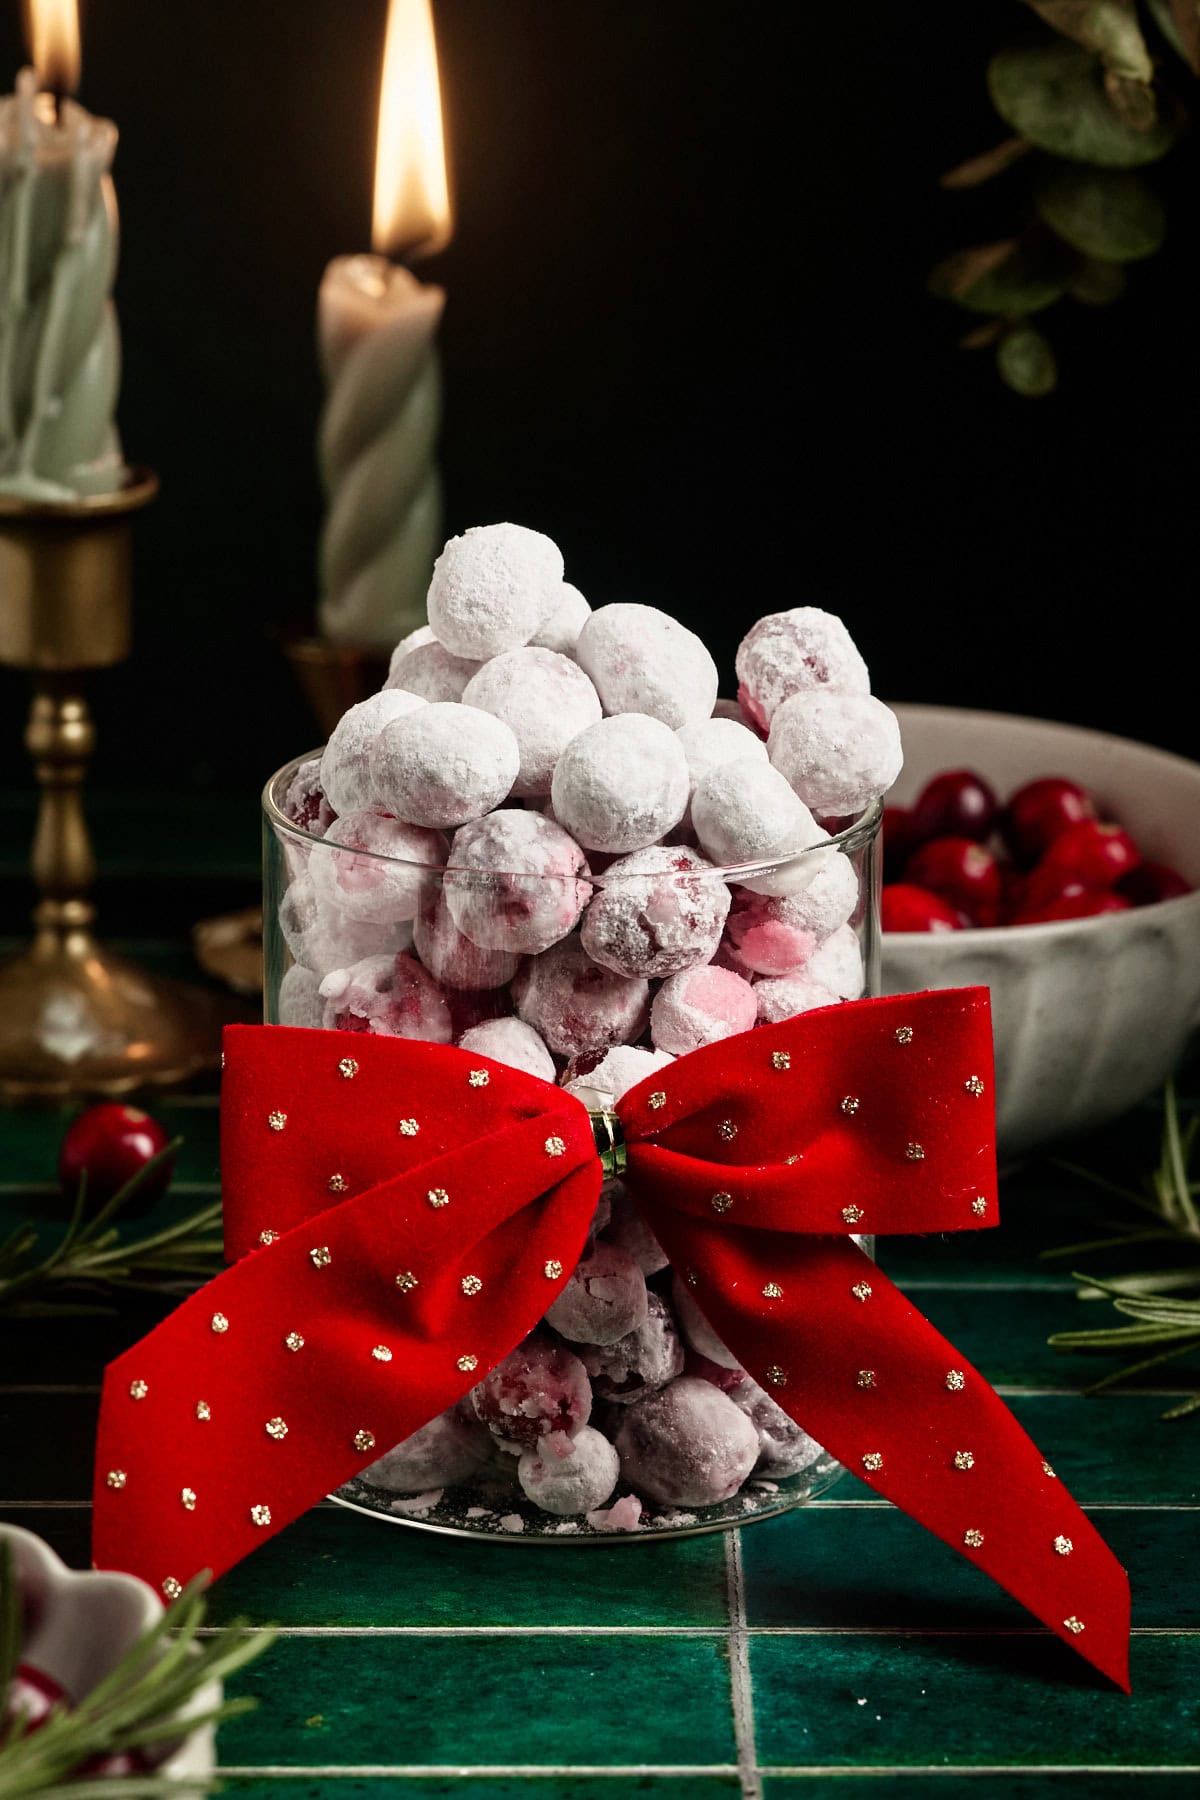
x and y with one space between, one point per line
610 1141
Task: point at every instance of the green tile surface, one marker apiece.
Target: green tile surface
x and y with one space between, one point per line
838 1651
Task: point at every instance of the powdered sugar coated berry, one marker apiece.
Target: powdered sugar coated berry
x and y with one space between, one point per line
687 1445
516 881
622 784
787 652
443 764
546 700
510 1041
604 1299
644 661
387 996
577 1006
838 751
380 868
492 588
346 758
452 958
576 1482
655 912
700 1007
431 671
541 1387
745 812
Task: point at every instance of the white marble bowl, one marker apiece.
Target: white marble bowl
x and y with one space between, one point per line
84 1622
1090 1015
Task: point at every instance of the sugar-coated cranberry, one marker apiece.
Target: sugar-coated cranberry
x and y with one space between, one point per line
111 1143
1038 812
904 907
1073 901
964 873
1151 882
1095 855
958 803
899 841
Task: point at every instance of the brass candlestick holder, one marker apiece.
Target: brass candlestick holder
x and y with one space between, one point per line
74 1017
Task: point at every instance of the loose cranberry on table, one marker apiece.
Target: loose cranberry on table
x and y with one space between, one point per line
958 803
112 1143
965 874
1093 854
1151 882
1039 812
905 907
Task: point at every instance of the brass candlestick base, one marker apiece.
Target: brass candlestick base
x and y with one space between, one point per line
334 676
74 1017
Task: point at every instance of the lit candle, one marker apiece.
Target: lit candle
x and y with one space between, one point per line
59 349
376 329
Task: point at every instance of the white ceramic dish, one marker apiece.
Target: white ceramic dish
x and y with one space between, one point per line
85 1622
1090 1015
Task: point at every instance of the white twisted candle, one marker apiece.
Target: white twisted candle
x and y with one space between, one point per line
59 348
376 327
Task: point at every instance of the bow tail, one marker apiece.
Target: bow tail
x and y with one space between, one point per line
308 1359
839 1347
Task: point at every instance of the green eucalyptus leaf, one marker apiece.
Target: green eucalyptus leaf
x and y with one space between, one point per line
1096 283
1026 362
1053 93
1112 214
1007 279
1110 29
1179 22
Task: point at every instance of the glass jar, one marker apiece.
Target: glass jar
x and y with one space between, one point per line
589 974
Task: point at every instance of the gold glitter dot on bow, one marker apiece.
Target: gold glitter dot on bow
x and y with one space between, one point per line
1073 1625
438 1197
260 1515
780 1059
873 1460
772 1291
691 1277
337 1184
852 1214
791 1159
776 1376
406 1281
138 1390
187 1499
862 1290
979 1206
964 1459
172 1588
904 1034
115 1478
848 1104
277 1429
381 1353
364 1440
866 1378
973 1085
294 1341
1047 1470
203 1409
467 1364
656 1100
721 1203
1063 1546
552 1269
219 1323
347 1068
973 1538
915 1152
956 1381
554 1146
727 1130
471 1285
277 1120
321 1256
408 1128
478 1078
268 1236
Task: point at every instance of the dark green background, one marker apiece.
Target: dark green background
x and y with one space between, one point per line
686 335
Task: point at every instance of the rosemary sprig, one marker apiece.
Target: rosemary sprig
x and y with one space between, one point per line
152 1697
92 1256
1163 1325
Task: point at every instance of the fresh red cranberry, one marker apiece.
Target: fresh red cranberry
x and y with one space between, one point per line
1151 882
1038 812
956 804
1074 901
111 1143
899 841
903 907
1095 855
965 874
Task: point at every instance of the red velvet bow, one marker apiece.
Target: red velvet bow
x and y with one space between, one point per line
403 1214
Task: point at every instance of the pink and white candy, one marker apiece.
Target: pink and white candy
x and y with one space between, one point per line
701 1006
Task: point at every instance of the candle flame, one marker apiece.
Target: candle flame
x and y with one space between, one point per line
52 33
412 199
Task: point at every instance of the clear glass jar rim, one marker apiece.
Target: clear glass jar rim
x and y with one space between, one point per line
855 837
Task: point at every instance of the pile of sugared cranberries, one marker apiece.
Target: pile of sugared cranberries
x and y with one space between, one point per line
958 858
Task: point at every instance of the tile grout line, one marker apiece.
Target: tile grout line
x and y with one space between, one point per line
741 1684
684 1631
535 1771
